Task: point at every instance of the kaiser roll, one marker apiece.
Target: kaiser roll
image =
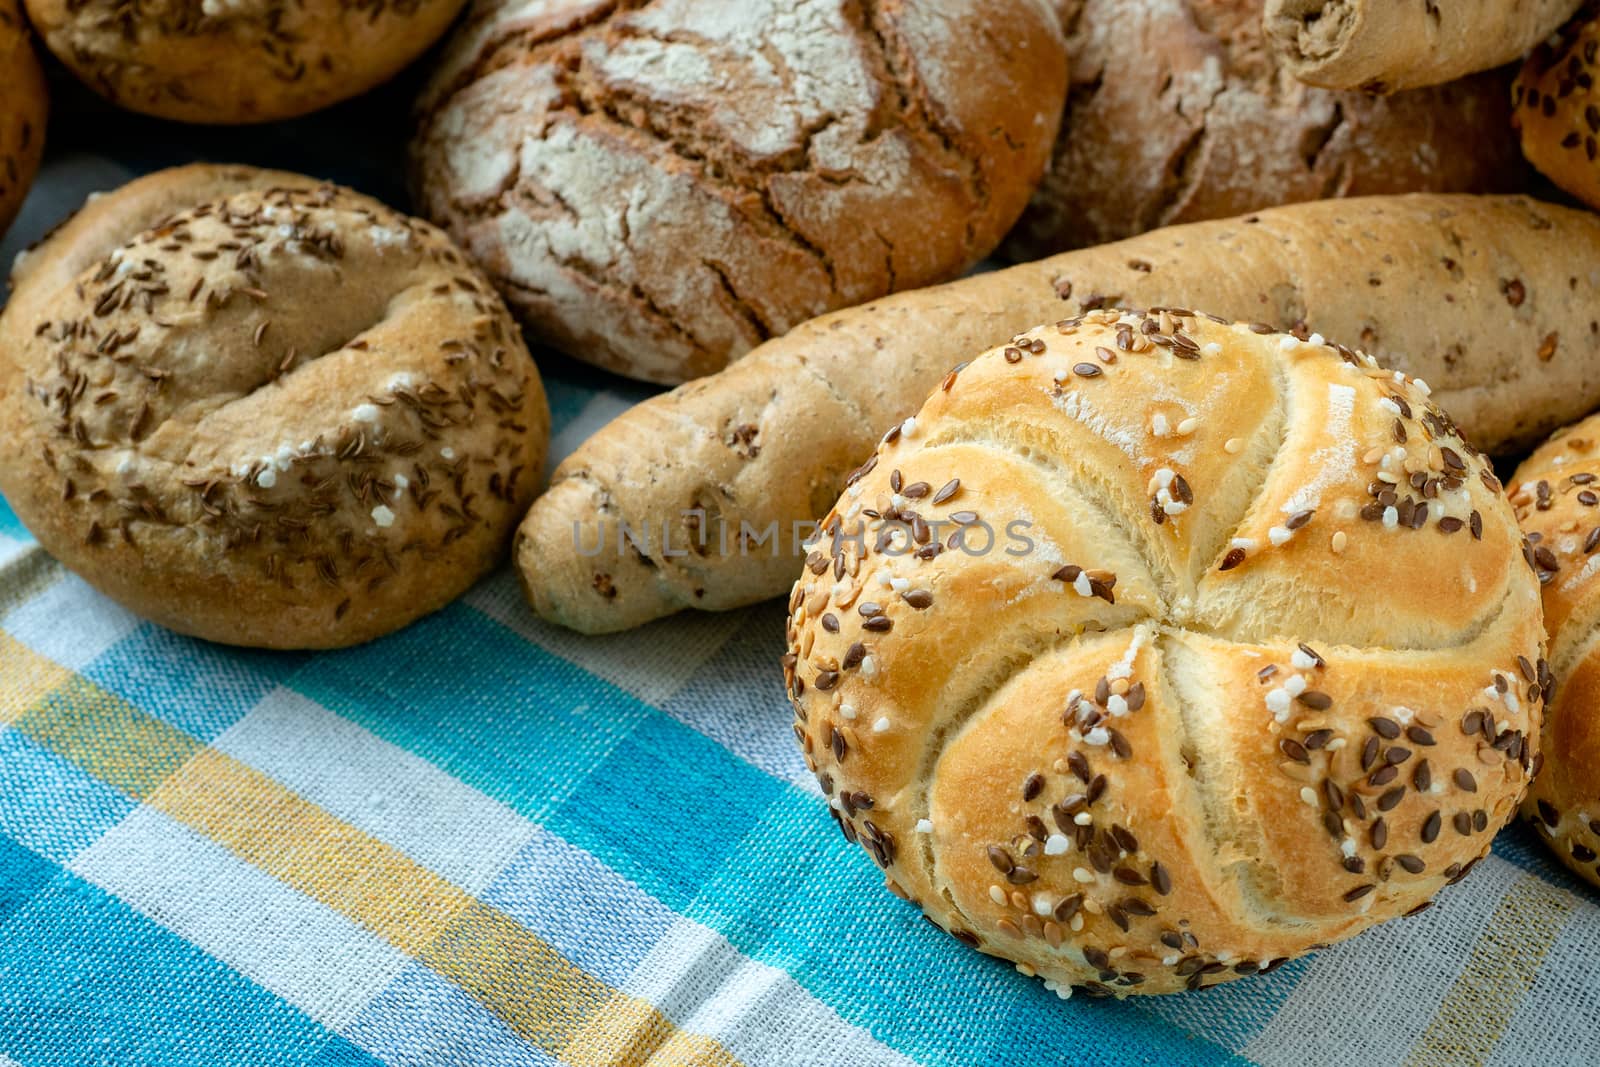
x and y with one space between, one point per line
1155 651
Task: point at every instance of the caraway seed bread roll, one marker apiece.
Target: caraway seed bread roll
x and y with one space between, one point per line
264 410
1130 660
23 106
1492 300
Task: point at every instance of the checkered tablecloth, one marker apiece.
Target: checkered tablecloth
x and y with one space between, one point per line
483 840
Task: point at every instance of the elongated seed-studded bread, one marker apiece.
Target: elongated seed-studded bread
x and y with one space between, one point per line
23 104
1129 661
264 410
1556 107
1178 111
1381 46
1492 300
1556 492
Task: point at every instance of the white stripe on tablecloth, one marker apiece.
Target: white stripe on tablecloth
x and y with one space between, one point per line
704 985
1366 1001
402 800
70 623
309 955
651 663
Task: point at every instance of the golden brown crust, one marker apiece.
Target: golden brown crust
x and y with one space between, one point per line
1178 111
23 106
660 186
1487 298
1556 107
1381 46
1215 713
1556 492
264 410
237 61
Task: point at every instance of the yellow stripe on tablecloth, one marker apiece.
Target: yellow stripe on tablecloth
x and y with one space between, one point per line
511 971
25 678
1473 1015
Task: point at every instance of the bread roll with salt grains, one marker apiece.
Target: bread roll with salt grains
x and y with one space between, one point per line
1556 492
660 186
1556 107
1130 660
237 61
1381 46
23 105
264 410
1491 300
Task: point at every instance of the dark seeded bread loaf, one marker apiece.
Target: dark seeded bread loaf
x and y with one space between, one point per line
1179 111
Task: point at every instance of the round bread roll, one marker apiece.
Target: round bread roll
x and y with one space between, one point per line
1130 657
237 61
23 105
1556 492
1556 107
264 410
1219 127
658 187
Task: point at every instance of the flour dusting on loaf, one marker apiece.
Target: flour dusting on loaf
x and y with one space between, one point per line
1128 658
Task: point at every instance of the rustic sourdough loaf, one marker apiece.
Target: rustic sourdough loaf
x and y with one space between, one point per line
1490 299
237 61
1129 661
1556 492
264 410
23 105
660 186
1179 111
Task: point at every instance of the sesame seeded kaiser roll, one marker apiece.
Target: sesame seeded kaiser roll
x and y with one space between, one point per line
1129 658
1556 107
264 410
1556 492
23 105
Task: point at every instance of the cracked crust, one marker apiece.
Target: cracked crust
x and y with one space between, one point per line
658 186
23 107
1556 492
1212 713
1383 46
1490 299
264 410
237 61
1220 128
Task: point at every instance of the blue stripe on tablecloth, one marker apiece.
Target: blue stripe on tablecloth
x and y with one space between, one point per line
421 1020
86 979
10 525
707 834
1521 845
199 687
48 803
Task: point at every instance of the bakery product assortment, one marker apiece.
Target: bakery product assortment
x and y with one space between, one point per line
659 187
1125 657
1486 298
237 61
1381 46
1556 492
23 106
1179 111
1557 107
264 410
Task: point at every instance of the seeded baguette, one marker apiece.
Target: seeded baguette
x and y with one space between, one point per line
1489 299
1556 492
1382 46
1210 715
264 410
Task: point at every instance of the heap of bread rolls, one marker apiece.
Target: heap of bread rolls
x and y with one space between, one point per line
1116 635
